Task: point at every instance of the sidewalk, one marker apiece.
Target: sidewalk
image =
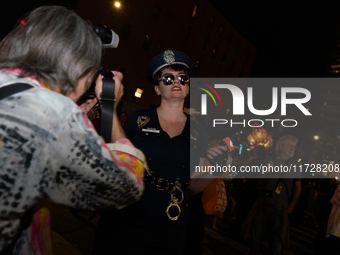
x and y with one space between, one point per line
73 234
61 246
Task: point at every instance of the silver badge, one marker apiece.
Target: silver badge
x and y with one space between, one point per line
169 56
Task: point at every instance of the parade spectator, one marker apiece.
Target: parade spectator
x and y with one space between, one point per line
49 150
271 209
249 193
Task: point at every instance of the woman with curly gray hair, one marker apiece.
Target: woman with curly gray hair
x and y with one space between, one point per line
49 149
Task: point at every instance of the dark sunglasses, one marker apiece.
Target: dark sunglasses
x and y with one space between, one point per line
169 79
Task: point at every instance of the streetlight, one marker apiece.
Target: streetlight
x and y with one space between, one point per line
117 4
316 137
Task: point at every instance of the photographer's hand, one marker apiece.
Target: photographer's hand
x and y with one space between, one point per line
119 89
88 105
117 130
217 155
215 151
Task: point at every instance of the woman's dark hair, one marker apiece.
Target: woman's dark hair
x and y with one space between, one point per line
56 46
175 67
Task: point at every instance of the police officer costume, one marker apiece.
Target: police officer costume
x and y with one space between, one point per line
157 224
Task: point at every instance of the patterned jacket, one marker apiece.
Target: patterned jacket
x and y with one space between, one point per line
50 150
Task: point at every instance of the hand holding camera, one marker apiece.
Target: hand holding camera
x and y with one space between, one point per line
119 87
88 104
108 89
113 79
219 154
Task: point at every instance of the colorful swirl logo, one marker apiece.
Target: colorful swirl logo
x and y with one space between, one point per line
209 93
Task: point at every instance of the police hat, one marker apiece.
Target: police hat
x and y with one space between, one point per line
167 58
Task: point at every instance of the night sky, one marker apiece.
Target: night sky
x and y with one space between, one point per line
12 10
293 37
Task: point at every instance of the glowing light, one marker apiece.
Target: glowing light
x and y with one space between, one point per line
316 137
259 136
138 93
117 4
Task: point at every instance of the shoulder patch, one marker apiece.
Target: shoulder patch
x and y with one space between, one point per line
142 121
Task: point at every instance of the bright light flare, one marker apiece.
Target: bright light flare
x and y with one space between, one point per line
117 4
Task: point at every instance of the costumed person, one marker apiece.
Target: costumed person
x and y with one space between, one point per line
49 150
158 223
278 196
249 194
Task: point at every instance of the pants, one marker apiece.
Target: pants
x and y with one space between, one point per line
271 219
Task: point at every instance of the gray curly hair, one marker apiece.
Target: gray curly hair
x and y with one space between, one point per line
282 140
56 46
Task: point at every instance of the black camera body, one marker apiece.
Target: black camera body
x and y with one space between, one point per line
107 98
109 39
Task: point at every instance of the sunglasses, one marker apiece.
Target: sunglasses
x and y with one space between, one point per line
169 79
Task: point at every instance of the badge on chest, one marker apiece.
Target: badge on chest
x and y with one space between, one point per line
142 121
147 131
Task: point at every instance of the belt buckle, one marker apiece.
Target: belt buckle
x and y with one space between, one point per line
159 185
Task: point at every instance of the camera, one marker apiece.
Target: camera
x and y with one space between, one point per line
106 74
221 159
109 39
107 98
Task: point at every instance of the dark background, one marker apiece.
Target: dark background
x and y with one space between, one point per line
293 38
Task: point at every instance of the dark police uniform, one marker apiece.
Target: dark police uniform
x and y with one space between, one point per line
145 227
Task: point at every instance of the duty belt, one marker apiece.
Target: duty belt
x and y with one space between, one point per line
164 184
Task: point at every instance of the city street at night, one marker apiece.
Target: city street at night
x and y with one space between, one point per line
197 127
